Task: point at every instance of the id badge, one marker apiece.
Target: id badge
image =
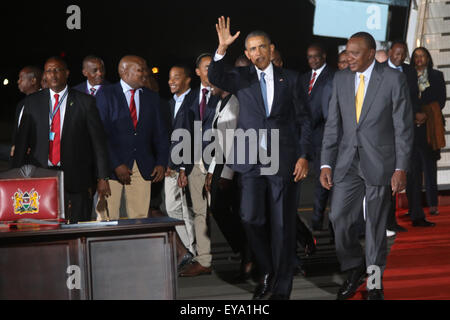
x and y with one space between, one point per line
52 136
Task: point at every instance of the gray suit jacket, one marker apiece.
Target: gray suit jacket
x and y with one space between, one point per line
384 135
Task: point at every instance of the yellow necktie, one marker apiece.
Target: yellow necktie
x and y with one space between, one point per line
359 99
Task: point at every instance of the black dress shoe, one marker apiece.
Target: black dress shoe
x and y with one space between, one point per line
262 291
434 212
423 223
375 294
187 259
397 228
355 278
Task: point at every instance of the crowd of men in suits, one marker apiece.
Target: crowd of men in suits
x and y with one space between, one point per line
113 142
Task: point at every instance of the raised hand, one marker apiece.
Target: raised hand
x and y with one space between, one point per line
224 35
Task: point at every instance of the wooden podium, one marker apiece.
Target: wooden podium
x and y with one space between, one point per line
134 259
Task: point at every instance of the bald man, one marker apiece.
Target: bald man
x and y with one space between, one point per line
137 138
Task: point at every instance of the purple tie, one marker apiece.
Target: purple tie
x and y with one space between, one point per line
203 103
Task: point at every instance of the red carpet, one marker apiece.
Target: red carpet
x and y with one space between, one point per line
418 265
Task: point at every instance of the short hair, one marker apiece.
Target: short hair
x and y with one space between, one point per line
367 37
59 59
200 57
34 72
90 58
319 46
257 33
185 68
243 60
342 52
399 42
430 60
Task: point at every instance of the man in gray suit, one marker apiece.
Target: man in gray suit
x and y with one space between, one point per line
366 149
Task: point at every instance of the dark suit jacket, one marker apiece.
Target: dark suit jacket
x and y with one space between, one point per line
147 144
83 141
19 107
384 135
288 113
436 91
82 87
182 120
206 123
318 101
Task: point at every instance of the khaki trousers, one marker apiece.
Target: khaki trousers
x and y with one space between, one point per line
136 196
196 182
177 208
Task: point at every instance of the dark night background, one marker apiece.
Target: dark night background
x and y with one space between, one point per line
162 32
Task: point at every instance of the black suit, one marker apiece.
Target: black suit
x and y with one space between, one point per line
274 193
317 101
83 145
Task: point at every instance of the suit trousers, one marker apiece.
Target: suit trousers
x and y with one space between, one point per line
346 204
137 196
225 210
320 193
196 183
177 208
268 211
419 159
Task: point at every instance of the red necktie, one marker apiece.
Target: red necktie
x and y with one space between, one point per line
93 91
55 144
311 82
133 111
203 103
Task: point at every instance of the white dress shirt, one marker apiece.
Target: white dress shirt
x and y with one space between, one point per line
318 72
97 87
179 101
393 66
127 92
208 95
367 73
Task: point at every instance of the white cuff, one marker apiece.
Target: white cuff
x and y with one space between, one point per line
218 57
325 166
227 173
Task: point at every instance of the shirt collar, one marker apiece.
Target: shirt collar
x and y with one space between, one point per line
126 87
318 71
393 66
368 71
268 71
95 87
203 87
52 93
181 97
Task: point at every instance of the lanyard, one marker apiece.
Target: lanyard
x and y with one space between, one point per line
52 113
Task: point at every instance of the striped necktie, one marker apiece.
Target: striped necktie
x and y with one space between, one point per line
311 82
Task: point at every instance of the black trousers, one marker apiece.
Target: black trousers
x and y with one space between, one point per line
274 250
225 210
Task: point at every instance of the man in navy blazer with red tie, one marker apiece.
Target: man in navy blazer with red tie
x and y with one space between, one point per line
137 138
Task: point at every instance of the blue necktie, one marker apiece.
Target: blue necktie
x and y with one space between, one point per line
262 83
399 68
